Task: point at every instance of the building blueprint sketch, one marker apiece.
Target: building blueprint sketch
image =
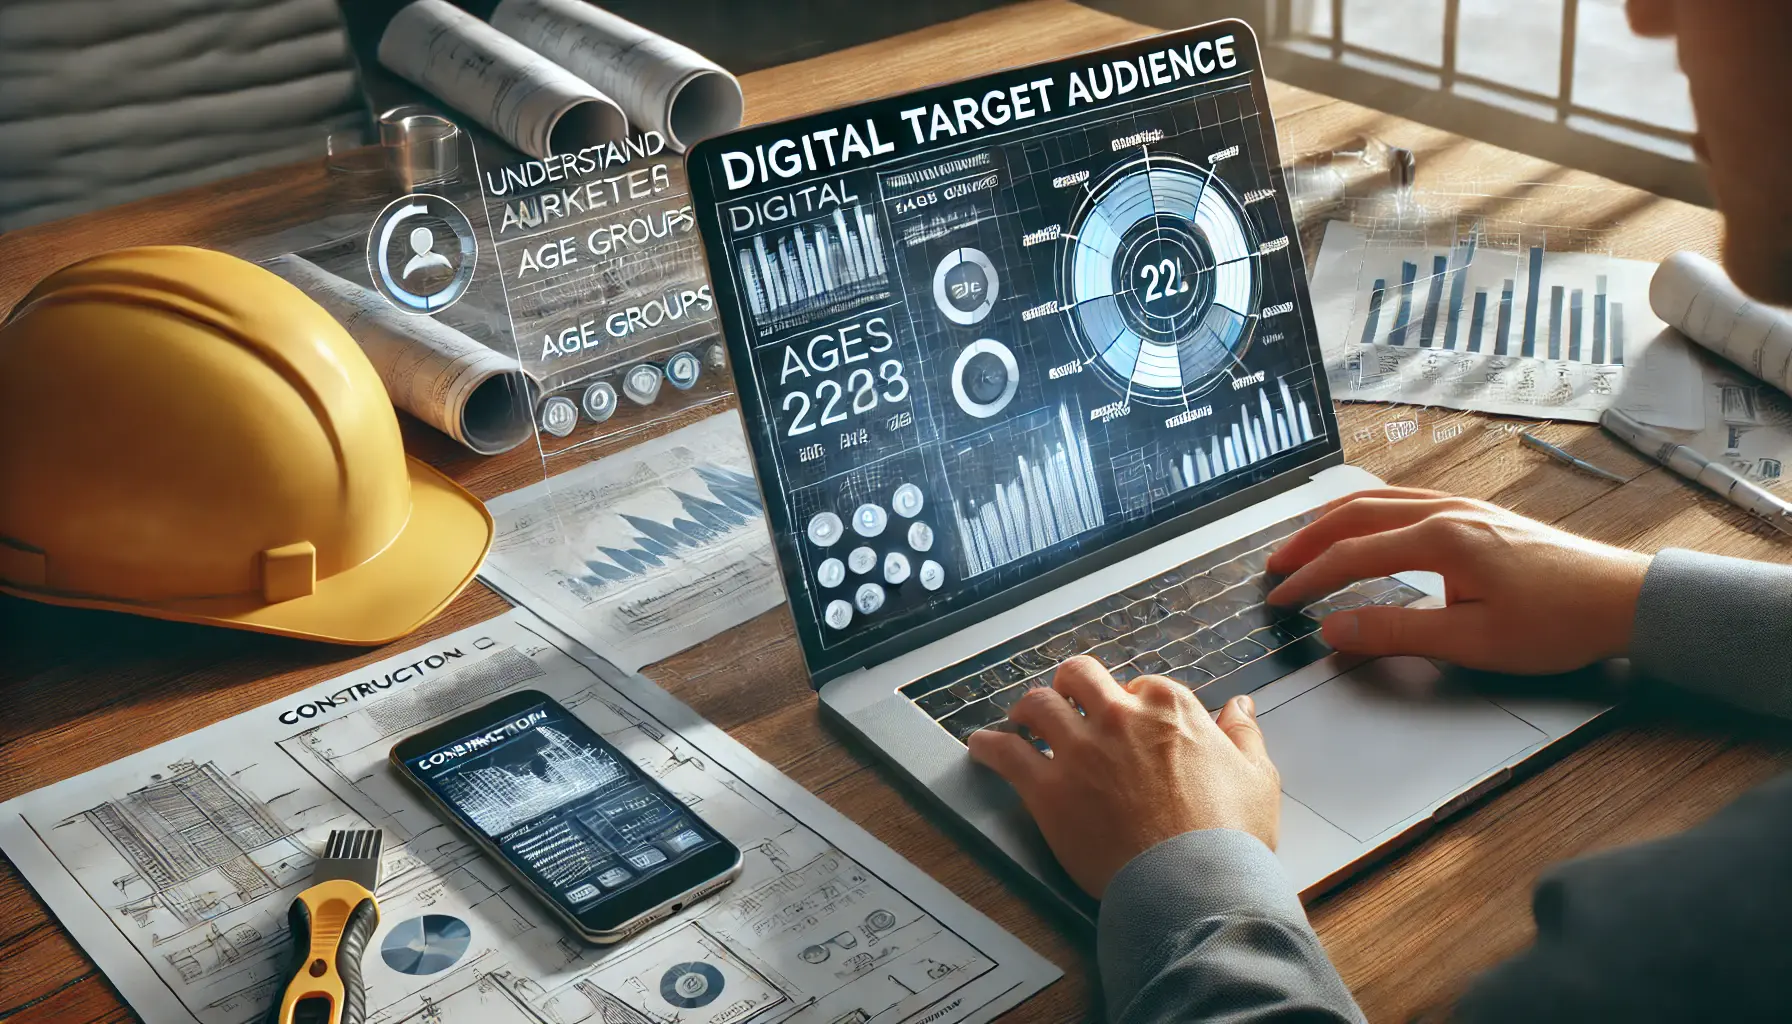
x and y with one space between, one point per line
174 868
645 553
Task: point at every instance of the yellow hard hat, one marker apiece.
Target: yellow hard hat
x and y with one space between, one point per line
186 436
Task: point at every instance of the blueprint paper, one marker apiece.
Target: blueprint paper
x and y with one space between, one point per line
174 868
645 553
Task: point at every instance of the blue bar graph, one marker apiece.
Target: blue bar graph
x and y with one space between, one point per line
1576 302
1476 322
1502 338
1375 297
1458 284
1409 272
1529 348
1555 322
1434 298
1618 333
1599 321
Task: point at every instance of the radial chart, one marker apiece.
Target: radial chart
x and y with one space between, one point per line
1161 278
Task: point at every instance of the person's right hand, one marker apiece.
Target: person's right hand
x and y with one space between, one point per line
1520 596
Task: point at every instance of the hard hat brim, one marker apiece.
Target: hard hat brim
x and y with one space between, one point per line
426 566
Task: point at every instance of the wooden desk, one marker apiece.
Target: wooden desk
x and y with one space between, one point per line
80 689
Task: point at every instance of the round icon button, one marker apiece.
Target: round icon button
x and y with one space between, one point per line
869 598
862 560
559 416
965 286
870 520
642 384
831 573
421 253
907 501
895 568
683 369
933 575
838 615
825 529
599 401
920 536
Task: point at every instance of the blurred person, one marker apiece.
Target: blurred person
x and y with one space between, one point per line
1198 921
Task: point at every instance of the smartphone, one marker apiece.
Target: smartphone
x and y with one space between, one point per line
597 840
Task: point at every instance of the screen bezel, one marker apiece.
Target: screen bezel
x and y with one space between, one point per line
825 665
699 869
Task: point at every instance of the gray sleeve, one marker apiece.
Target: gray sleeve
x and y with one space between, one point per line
1206 927
1718 626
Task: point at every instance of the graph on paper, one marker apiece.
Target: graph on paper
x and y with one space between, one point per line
1529 315
1519 331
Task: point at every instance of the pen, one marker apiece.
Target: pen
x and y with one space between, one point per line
1695 467
1532 441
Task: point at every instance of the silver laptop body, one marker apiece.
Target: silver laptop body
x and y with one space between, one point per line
1028 367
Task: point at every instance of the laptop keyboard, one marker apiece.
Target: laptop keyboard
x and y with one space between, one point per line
1203 624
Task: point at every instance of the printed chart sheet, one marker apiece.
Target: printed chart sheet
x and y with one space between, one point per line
644 553
174 868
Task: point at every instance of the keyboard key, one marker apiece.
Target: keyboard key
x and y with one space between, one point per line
1216 663
975 688
1190 676
1230 573
1035 660
1006 699
1117 621
1140 591
939 703
1275 635
1152 664
1179 624
1126 673
1376 587
1201 588
1399 596
1254 561
1059 647
1244 652
1005 673
1207 641
971 717
1091 634
1111 654
1180 652
1146 638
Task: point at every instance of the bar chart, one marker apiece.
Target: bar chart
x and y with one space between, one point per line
1264 428
813 265
1491 318
1043 493
1545 320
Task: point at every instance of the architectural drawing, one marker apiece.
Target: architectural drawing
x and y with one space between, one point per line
191 853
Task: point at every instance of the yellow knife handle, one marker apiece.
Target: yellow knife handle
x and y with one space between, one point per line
331 924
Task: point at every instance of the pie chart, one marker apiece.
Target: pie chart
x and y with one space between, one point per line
1162 279
425 945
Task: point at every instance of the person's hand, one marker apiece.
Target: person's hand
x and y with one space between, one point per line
1520 596
1142 764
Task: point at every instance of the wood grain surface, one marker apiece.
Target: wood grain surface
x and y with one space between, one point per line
80 689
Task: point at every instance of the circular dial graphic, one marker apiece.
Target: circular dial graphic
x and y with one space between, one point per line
1162 278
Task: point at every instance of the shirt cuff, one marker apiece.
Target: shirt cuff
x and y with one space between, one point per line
1718 626
1218 872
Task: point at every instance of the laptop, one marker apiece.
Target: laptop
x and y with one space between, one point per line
1028 368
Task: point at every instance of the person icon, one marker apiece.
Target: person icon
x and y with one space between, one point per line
423 252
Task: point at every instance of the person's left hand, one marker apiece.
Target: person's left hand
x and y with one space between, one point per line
1142 764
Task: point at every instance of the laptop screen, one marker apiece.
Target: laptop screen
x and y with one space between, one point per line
988 329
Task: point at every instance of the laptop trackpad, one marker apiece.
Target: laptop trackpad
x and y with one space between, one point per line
1365 758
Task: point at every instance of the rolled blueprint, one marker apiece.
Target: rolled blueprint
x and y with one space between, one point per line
532 103
1696 297
432 371
663 85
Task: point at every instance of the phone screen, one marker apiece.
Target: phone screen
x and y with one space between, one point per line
566 808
